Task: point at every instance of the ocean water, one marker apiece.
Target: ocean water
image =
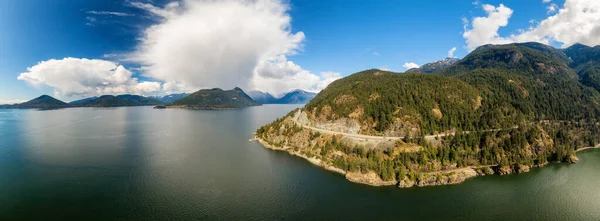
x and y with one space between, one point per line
138 163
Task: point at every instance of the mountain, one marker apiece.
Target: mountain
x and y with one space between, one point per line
501 109
216 99
532 59
43 102
586 62
116 101
262 97
434 66
582 54
170 98
293 97
296 97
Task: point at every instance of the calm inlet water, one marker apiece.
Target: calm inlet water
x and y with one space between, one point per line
138 163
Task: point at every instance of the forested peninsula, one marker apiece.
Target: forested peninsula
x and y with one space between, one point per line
502 109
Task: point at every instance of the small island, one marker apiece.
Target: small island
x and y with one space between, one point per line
502 109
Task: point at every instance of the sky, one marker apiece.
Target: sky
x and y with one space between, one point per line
77 49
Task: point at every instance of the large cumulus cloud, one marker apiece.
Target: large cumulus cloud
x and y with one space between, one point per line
229 43
86 77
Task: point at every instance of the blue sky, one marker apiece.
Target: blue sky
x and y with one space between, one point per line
329 39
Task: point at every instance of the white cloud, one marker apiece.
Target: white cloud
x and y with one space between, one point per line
410 65
578 21
278 68
122 14
485 29
546 1
280 75
451 52
82 77
552 8
206 44
12 101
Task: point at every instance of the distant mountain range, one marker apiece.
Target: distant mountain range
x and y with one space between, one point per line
434 66
48 102
203 99
116 101
292 97
262 97
170 98
215 98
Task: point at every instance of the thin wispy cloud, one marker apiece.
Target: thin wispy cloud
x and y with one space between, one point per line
90 20
122 14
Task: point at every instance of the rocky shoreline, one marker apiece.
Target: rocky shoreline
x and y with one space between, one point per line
438 178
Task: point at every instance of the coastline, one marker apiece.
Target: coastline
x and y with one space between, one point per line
453 176
312 160
436 178
587 148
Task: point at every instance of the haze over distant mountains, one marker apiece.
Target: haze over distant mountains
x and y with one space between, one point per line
292 97
204 99
170 98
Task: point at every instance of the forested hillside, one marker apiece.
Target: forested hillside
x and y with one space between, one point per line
586 62
504 108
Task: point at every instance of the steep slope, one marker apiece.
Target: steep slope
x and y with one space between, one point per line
434 66
387 103
43 102
117 101
215 99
